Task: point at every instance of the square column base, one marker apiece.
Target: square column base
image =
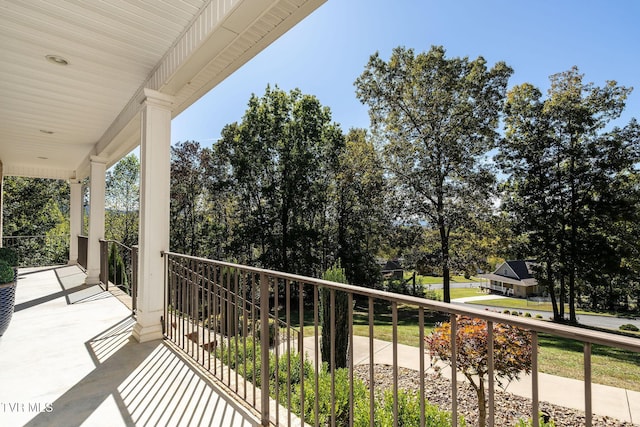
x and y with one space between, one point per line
147 329
93 278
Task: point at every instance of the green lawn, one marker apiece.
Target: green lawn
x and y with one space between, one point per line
434 280
523 305
460 293
610 366
557 356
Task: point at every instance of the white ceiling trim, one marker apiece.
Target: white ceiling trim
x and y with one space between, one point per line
221 38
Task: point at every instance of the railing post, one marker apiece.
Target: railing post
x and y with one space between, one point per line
588 411
134 277
104 263
490 372
534 380
264 348
454 372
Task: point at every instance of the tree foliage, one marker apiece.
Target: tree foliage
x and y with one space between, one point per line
512 351
438 118
279 162
122 202
339 307
188 213
570 181
360 200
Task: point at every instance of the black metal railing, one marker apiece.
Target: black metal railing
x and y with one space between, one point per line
83 249
119 267
236 321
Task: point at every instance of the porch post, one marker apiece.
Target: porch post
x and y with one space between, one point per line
154 212
75 219
96 217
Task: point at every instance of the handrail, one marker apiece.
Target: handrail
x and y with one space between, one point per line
128 279
565 331
228 293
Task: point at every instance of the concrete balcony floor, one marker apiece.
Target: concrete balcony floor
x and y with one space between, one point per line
68 359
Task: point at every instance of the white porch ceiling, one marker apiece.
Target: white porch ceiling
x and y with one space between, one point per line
54 117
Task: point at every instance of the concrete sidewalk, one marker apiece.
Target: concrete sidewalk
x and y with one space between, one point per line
609 401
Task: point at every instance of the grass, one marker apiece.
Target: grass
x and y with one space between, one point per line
523 304
557 356
610 366
460 293
435 280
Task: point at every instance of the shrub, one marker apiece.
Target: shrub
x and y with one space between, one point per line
514 313
527 314
340 309
529 422
9 256
539 316
512 353
629 327
117 269
506 311
248 358
408 411
431 294
7 272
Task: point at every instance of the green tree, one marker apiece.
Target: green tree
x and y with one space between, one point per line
438 117
37 207
360 201
277 164
122 201
568 178
340 320
188 214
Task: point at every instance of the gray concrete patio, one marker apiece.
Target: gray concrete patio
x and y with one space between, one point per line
67 359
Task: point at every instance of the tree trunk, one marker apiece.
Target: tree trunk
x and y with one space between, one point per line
572 297
552 292
563 293
444 241
482 404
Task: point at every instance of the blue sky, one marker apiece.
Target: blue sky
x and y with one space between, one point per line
325 53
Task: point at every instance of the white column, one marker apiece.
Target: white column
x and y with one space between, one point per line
96 217
75 219
155 146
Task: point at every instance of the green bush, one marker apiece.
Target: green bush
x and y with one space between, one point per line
7 272
527 314
506 311
431 294
514 313
340 311
408 411
539 316
629 327
117 269
408 402
9 256
529 422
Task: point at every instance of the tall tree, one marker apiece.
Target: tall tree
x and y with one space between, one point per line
360 201
123 200
34 206
188 215
438 117
279 161
567 177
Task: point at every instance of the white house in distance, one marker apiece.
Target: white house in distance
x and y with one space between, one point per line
513 278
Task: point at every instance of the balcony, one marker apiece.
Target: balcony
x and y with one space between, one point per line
73 362
68 359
